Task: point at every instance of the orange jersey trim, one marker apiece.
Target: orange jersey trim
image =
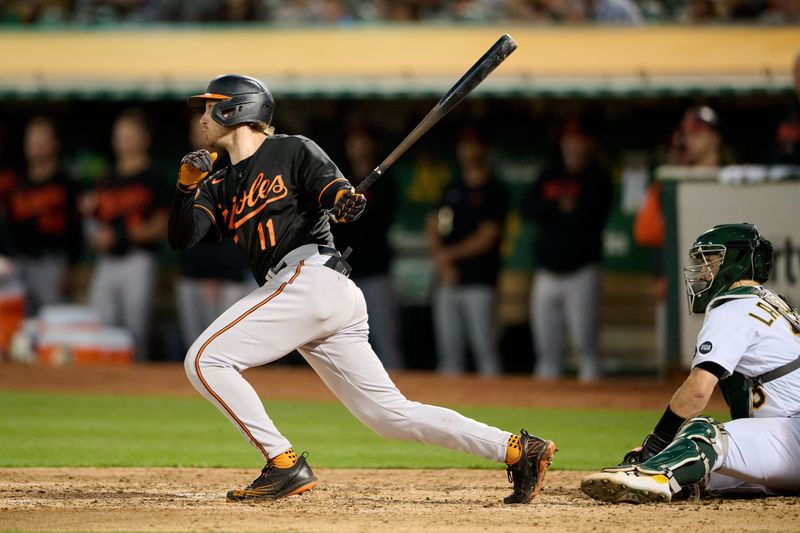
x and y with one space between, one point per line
319 199
213 218
223 330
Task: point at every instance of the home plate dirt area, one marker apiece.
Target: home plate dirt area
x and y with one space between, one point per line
192 499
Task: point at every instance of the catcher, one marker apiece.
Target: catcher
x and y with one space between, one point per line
750 345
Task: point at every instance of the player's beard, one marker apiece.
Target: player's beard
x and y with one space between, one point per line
215 137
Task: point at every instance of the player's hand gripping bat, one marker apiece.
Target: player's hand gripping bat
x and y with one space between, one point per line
471 79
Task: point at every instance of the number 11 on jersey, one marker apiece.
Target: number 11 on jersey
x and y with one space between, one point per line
270 233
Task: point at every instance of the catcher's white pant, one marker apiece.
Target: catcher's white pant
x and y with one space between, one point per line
321 313
763 457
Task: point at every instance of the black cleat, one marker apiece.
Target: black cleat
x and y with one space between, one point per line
527 474
274 483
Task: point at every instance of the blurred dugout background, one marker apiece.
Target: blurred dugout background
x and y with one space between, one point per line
634 66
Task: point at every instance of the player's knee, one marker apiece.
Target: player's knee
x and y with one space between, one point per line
709 435
391 429
190 362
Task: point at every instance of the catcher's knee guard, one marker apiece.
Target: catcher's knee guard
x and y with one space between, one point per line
690 457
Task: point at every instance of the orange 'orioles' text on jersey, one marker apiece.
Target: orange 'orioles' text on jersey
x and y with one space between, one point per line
270 203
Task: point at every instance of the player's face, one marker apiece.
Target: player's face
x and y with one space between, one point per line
40 141
214 133
709 266
129 136
576 151
705 265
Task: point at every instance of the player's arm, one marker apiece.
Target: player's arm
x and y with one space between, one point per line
688 401
151 230
534 206
693 395
190 221
486 235
480 241
432 233
332 191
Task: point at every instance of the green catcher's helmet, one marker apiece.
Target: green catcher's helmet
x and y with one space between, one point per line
722 256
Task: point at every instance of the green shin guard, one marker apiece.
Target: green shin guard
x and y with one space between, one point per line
689 458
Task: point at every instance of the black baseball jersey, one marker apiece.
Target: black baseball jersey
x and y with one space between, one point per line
469 208
270 203
567 241
43 218
124 202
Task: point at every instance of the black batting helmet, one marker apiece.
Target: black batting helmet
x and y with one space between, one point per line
242 98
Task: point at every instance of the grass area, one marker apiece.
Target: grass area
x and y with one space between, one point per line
47 429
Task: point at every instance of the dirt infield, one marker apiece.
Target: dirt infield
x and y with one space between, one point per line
168 499
349 501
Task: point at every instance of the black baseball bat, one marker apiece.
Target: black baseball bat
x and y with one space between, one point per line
471 79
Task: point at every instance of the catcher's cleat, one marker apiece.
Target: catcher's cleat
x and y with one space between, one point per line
527 474
627 487
274 483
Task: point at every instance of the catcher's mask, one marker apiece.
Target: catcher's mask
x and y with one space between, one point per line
722 256
240 100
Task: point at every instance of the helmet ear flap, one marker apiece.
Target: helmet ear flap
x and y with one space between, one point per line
762 259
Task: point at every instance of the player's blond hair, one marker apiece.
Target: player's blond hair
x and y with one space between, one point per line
262 127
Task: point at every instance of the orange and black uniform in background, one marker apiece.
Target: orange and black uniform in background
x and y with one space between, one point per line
125 278
126 224
124 202
42 233
42 218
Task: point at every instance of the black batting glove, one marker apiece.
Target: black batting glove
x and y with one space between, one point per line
652 445
348 206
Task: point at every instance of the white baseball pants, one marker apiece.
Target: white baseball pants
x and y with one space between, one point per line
763 457
321 313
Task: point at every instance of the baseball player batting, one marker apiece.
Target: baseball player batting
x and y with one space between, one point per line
275 201
750 345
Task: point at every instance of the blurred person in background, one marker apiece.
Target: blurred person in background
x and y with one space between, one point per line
464 236
615 12
213 276
787 135
783 12
700 12
308 11
744 10
569 204
111 11
26 12
370 240
189 11
696 142
244 10
127 222
43 230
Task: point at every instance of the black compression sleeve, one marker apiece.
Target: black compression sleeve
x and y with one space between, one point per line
668 426
712 368
187 225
